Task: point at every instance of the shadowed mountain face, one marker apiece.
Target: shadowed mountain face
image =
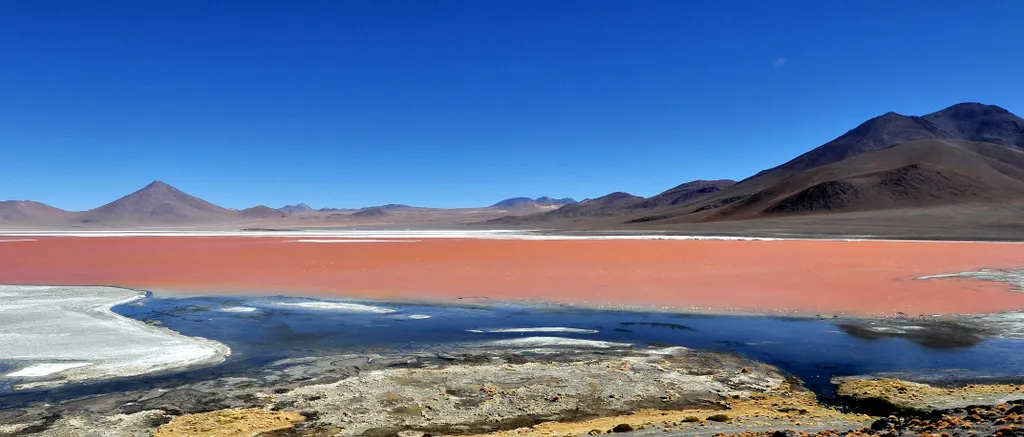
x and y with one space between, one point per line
377 211
302 207
526 202
261 212
27 211
984 123
156 203
619 203
916 173
889 162
604 205
684 193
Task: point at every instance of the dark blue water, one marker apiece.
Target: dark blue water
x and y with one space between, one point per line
811 349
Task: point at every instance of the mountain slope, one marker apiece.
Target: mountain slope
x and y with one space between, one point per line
966 121
302 207
526 202
978 122
684 193
603 205
156 203
27 211
913 174
261 212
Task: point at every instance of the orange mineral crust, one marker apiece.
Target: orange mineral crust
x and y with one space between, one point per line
811 277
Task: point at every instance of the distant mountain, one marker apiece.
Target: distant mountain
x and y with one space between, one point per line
520 202
965 153
156 203
684 193
978 122
27 211
599 206
377 211
302 207
261 212
911 174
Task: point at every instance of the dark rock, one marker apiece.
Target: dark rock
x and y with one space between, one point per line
880 424
622 427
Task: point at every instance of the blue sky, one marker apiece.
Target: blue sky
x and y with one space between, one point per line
463 103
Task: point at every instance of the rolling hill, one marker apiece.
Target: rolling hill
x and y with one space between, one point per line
28 212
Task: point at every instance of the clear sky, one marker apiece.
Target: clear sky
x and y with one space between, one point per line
464 103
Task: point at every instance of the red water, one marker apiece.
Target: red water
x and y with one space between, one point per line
747 276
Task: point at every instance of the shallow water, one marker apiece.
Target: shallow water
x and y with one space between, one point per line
811 349
280 327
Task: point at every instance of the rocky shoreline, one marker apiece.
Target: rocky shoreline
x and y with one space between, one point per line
483 391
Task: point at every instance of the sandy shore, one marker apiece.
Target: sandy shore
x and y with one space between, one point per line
778 276
56 334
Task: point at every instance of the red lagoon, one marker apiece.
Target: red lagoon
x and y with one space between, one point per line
809 277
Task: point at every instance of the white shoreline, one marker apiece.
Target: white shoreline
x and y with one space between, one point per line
352 236
543 329
63 334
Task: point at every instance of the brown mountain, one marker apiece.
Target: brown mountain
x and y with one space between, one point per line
27 211
958 123
612 204
977 122
262 212
528 203
684 193
913 174
621 204
156 203
376 211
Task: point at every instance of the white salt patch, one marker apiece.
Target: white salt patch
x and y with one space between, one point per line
38 370
308 235
557 341
340 306
353 241
71 331
539 329
672 350
419 316
475 331
238 309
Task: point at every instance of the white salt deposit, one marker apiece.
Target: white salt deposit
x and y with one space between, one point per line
557 342
70 334
419 316
238 309
353 241
538 329
338 306
44 369
331 236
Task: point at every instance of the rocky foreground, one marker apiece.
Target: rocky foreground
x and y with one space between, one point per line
485 391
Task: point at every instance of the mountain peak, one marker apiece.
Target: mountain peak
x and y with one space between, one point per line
157 185
155 203
970 110
980 122
301 207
